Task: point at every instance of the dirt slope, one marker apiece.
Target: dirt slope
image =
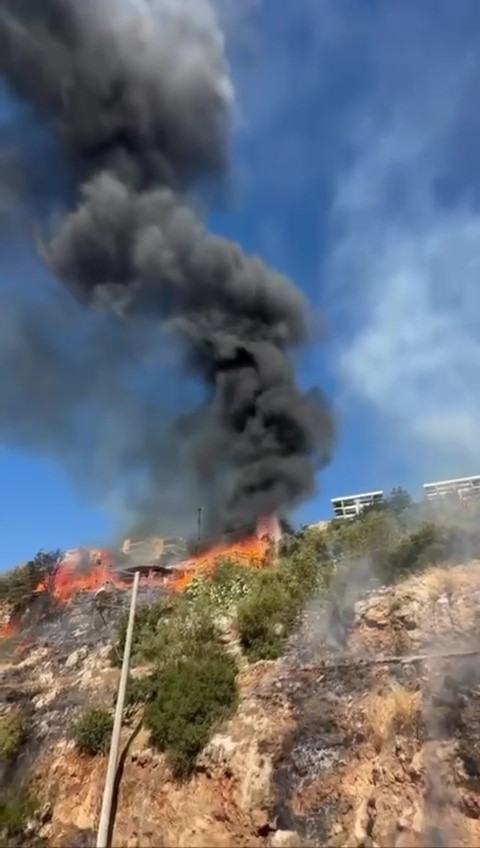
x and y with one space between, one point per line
326 748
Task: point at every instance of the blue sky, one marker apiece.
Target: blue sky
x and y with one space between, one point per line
355 171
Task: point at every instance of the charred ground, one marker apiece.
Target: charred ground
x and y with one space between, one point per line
317 731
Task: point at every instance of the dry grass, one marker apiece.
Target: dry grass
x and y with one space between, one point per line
441 580
390 712
444 581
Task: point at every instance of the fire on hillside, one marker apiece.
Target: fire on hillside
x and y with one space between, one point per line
99 568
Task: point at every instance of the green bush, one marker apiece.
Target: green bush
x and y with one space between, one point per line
229 583
13 731
383 540
92 731
148 620
309 542
266 617
394 540
186 634
425 545
191 696
260 627
309 568
14 815
370 536
140 690
192 684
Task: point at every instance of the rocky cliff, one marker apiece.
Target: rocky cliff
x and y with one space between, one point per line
342 741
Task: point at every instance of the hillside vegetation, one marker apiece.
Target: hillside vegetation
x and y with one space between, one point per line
18 586
208 671
194 642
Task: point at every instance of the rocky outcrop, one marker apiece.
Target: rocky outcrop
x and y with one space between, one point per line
228 802
326 747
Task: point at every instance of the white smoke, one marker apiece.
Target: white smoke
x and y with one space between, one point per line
407 265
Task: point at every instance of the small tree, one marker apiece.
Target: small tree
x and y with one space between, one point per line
92 731
192 696
14 815
399 500
13 732
18 587
43 569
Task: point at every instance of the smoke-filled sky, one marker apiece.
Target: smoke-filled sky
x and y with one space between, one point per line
352 171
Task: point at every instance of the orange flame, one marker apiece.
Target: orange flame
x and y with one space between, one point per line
71 577
250 551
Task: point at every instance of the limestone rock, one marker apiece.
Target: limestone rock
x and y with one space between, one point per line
46 698
360 824
218 752
76 658
255 787
409 615
417 820
375 618
285 839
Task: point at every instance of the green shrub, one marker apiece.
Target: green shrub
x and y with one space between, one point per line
13 731
382 539
14 815
141 690
266 617
229 583
370 536
191 697
308 569
148 620
187 634
192 684
309 542
429 543
92 731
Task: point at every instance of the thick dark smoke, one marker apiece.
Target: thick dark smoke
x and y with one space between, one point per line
138 97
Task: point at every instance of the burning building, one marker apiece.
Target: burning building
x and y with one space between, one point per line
155 553
89 570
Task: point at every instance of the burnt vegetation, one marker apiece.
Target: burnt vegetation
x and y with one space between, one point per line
192 684
19 587
191 642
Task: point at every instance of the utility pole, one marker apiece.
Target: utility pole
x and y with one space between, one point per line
199 521
104 825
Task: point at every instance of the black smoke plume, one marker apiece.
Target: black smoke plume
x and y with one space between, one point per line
137 96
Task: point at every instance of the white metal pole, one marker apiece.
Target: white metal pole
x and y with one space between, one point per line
103 827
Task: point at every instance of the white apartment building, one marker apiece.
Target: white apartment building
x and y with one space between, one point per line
349 506
464 488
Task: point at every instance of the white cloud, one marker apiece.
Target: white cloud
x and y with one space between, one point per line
405 269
